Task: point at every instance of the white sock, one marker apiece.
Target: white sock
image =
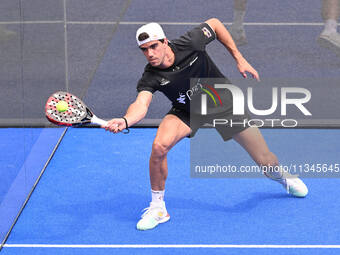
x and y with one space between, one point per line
239 18
330 26
157 196
274 172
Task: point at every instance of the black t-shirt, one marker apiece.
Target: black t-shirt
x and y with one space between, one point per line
191 61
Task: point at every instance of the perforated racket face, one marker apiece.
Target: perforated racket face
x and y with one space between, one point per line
76 113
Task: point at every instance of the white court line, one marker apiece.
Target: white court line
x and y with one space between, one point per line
229 23
252 246
31 22
162 23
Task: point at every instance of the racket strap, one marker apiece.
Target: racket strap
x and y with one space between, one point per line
127 130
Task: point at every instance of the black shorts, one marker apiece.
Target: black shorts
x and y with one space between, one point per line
223 126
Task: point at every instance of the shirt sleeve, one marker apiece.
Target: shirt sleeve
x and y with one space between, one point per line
198 37
147 83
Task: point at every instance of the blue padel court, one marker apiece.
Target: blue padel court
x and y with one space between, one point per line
91 196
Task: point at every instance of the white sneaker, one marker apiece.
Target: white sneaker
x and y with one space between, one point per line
295 187
152 216
238 34
292 184
330 41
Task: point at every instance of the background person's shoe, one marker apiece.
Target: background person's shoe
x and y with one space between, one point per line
330 41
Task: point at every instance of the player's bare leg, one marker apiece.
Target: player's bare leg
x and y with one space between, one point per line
170 131
253 142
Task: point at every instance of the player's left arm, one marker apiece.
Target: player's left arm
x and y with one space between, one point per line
225 38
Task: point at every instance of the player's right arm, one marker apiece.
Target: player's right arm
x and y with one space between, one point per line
136 112
225 38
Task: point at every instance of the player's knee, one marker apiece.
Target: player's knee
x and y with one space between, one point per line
159 149
267 159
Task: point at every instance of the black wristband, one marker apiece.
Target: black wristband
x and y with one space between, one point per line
126 126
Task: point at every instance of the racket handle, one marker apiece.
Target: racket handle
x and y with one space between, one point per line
96 120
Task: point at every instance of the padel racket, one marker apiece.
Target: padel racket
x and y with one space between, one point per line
74 112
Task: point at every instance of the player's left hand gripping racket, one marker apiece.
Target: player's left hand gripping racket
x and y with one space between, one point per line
75 113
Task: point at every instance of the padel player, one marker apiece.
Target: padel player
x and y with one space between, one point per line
170 66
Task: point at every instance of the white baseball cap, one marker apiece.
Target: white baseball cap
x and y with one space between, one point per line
154 30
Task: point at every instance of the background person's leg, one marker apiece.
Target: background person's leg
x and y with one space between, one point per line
329 37
237 29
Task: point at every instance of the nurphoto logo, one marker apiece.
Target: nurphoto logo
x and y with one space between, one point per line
279 97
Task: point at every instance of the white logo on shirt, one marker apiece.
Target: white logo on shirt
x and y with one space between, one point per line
193 61
181 98
206 32
164 82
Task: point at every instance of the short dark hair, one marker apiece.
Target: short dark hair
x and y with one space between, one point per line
143 36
